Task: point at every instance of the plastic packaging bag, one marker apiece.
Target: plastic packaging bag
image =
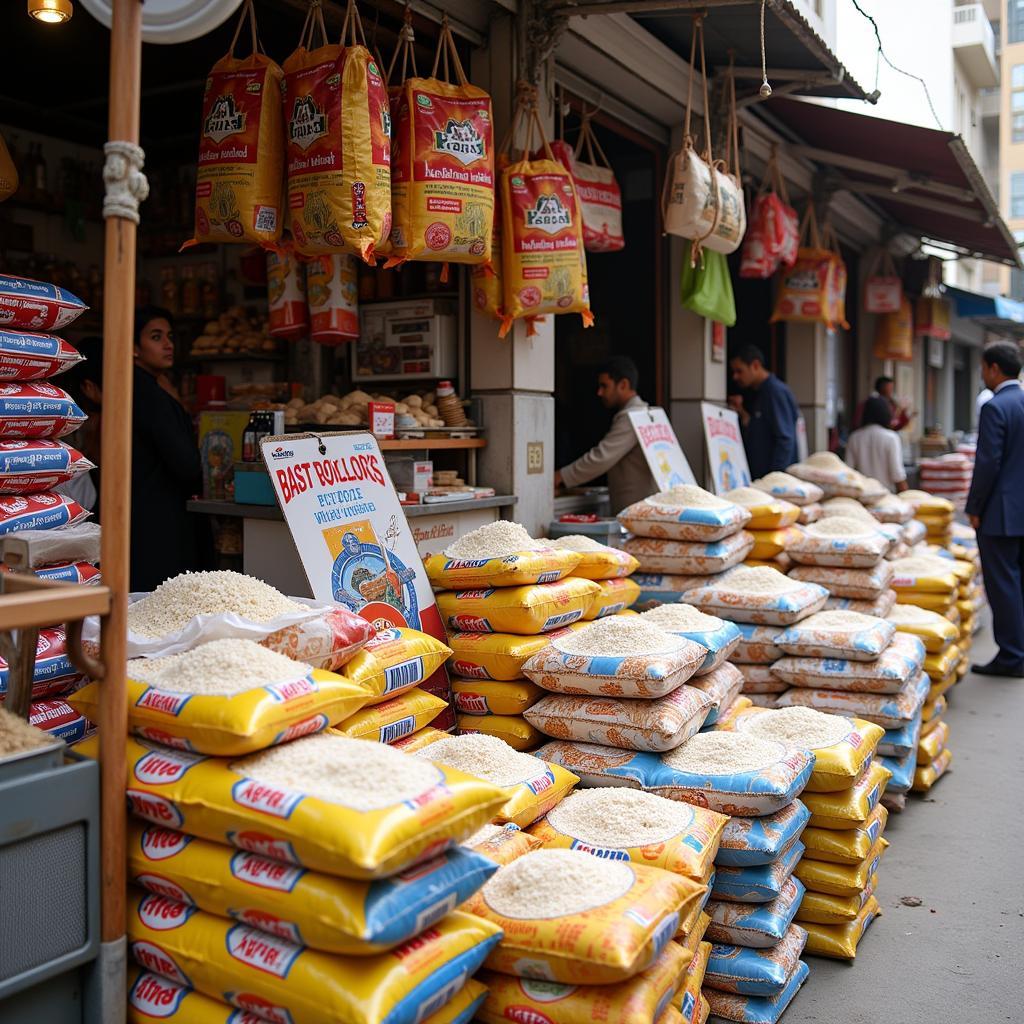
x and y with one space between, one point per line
669 516
900 663
690 557
756 972
338 145
27 305
656 725
497 656
757 1009
840 941
27 467
53 675
858 584
522 569
616 596
240 176
25 356
394 719
213 798
848 808
47 510
526 611
309 908
232 724
722 685
837 635
705 288
757 883
512 729
890 711
37 410
621 932
753 841
396 660
841 879
820 908
755 925
757 645
216 955
475 697
728 597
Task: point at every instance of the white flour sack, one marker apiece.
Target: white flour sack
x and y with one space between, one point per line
620 656
758 594
889 710
733 773
682 557
659 724
790 488
838 634
757 645
843 541
859 584
902 660
685 512
532 786
723 686
830 473
718 636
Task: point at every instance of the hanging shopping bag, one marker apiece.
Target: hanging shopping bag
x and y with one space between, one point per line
240 176
804 294
773 234
883 292
699 201
443 178
837 279
339 146
894 334
599 193
932 319
543 261
706 288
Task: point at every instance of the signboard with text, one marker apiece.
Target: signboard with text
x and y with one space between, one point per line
351 533
660 446
726 457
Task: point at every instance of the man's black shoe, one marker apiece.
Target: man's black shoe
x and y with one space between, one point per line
994 668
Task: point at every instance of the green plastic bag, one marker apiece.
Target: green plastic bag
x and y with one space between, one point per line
706 288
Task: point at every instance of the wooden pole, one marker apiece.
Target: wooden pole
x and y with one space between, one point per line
116 463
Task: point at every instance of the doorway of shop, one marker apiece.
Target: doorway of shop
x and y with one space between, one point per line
626 295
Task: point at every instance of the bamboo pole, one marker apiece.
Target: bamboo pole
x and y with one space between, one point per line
115 497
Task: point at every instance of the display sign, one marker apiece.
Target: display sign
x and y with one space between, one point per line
351 533
661 448
726 457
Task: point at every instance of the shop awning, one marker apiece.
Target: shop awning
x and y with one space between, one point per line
799 60
993 312
924 179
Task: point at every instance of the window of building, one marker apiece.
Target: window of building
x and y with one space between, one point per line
1017 194
1018 128
1015 21
1017 76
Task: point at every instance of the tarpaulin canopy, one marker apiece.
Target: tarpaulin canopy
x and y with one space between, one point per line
991 311
925 180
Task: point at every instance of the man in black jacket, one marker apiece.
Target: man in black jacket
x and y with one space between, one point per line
166 469
768 414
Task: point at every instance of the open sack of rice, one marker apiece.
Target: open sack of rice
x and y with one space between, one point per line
760 595
786 487
842 541
716 635
687 513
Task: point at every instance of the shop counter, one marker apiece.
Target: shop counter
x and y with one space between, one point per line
268 551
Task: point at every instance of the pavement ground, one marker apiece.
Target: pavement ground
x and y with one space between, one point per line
960 850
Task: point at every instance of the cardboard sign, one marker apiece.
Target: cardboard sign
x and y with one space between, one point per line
660 446
351 533
726 457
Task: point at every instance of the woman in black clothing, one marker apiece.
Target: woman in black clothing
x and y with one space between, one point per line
166 470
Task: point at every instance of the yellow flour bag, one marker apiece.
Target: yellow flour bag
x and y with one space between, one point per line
616 596
338 144
497 656
443 166
475 697
502 843
394 719
820 908
309 908
241 165
329 803
396 659
527 611
217 956
612 919
419 739
840 941
543 263
638 999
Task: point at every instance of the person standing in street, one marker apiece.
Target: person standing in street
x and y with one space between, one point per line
899 415
995 505
874 448
768 414
619 453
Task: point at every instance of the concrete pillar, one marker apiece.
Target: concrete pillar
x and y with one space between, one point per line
807 374
514 377
694 375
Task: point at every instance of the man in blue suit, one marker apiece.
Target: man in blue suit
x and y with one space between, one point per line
995 505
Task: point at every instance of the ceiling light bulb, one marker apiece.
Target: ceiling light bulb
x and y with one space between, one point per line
51 12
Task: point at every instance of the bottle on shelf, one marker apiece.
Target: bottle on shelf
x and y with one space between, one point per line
250 450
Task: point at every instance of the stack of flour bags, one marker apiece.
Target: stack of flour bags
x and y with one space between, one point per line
606 856
805 494
935 513
771 525
503 595
34 464
948 476
971 599
755 968
681 536
314 877
844 822
762 602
